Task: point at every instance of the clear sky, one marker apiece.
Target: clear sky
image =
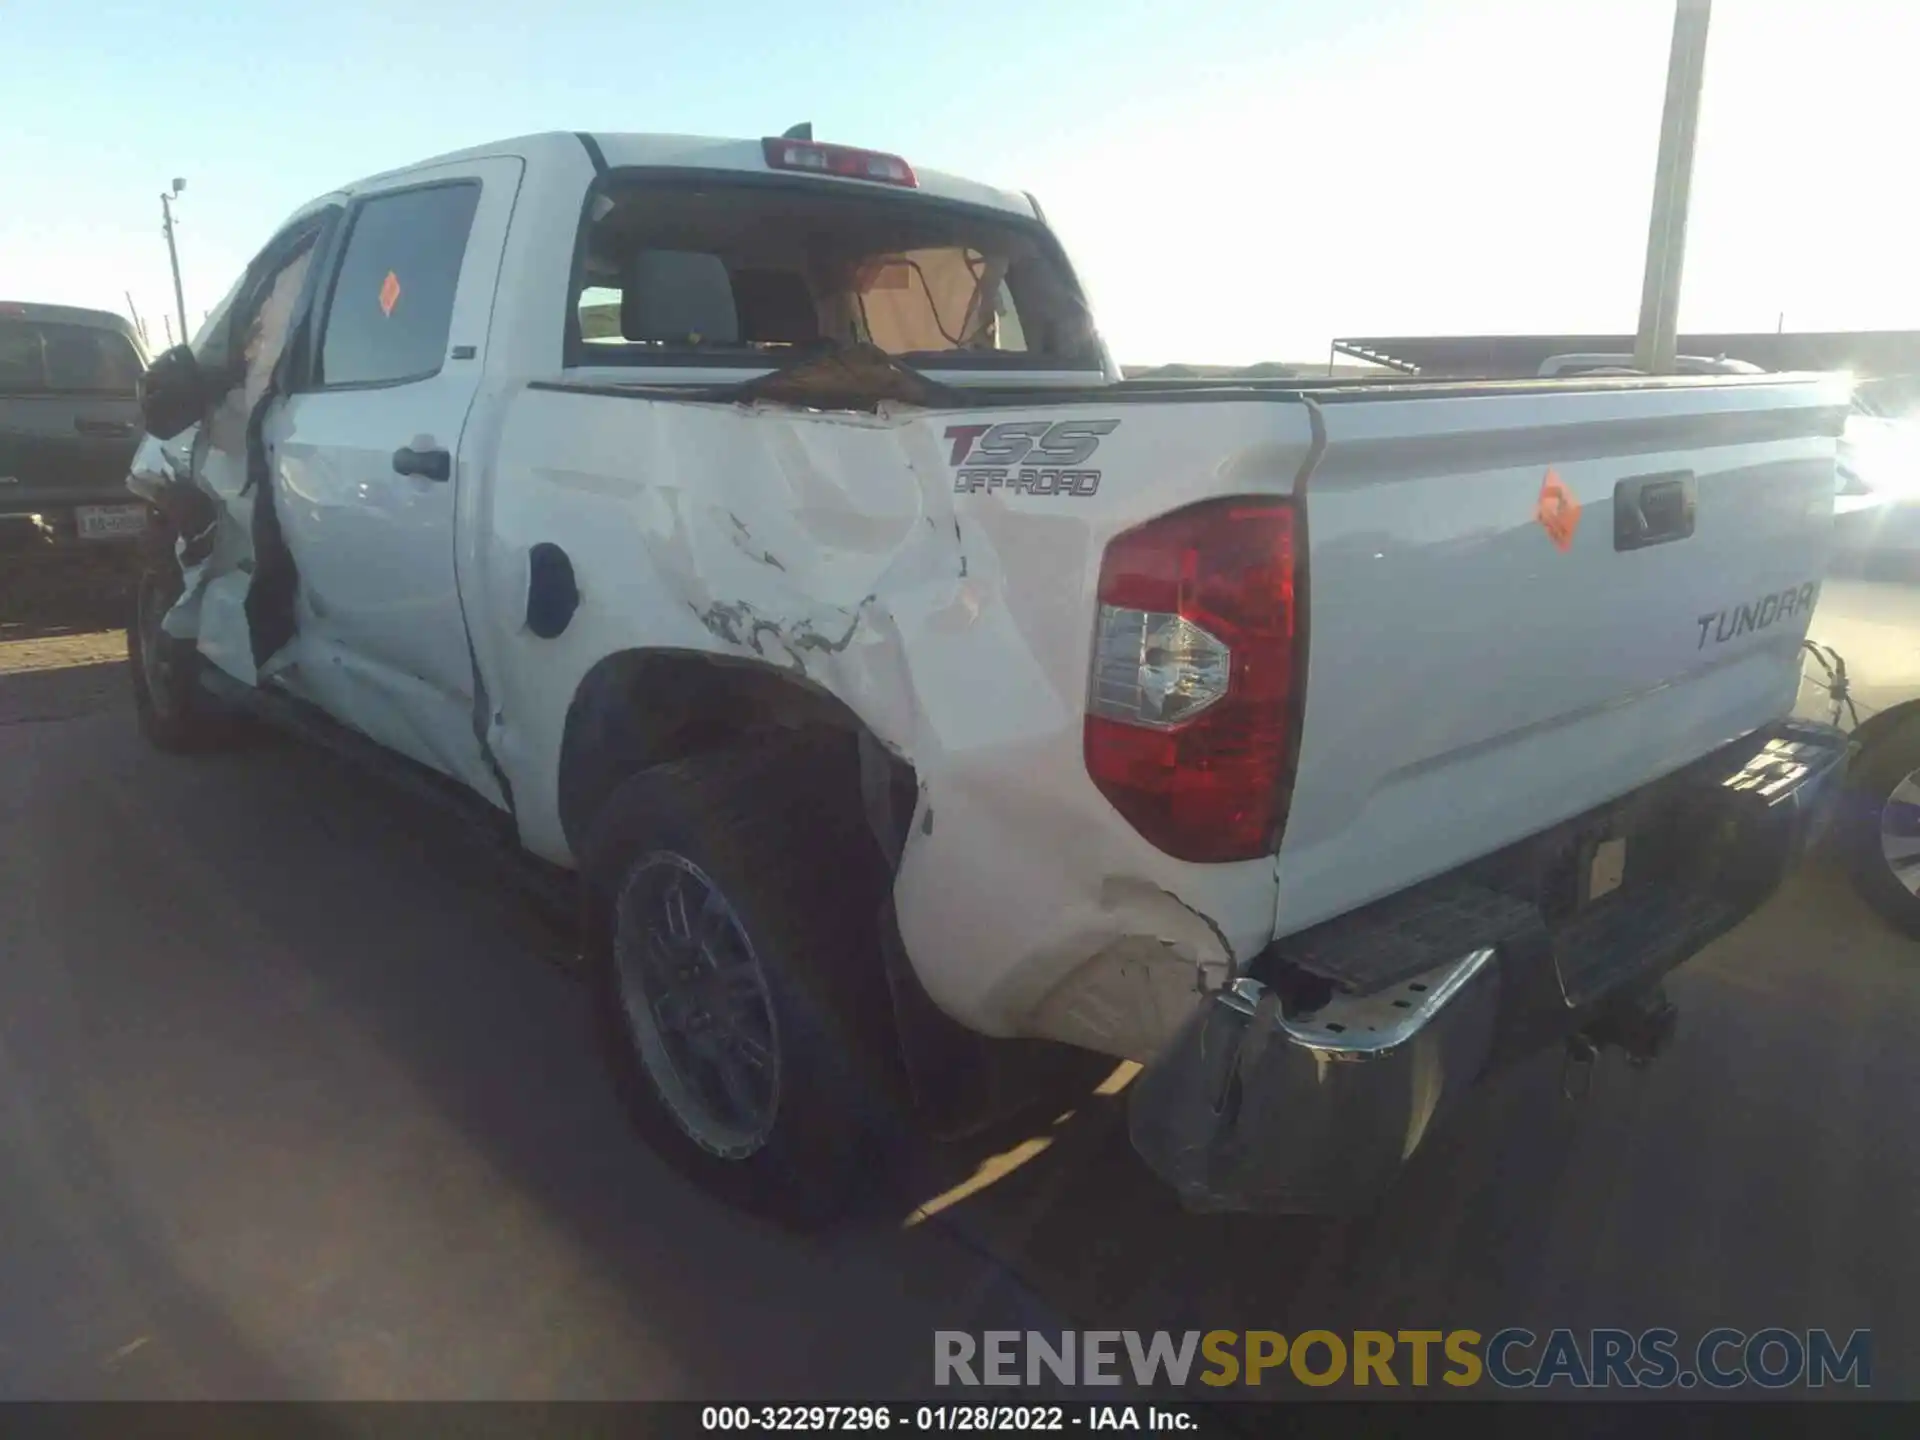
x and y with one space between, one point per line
1236 181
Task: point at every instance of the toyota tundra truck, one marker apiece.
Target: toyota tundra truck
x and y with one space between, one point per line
760 536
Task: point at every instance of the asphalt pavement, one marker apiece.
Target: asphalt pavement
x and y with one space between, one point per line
295 1101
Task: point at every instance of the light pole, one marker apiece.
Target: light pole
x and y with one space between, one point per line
173 254
1654 345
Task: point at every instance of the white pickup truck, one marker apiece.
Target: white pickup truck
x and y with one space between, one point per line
761 531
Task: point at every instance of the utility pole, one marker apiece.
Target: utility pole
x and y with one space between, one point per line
139 325
1654 346
173 253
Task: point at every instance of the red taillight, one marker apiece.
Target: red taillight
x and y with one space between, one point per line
1191 692
814 158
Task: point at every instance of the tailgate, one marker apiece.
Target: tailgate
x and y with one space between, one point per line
65 449
1526 601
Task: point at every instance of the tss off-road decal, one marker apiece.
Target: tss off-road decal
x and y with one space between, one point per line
1028 457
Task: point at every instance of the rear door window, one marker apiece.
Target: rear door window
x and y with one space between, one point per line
392 303
42 357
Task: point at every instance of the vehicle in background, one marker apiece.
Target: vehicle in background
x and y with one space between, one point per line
1878 833
1561 365
762 532
1876 510
69 424
1877 537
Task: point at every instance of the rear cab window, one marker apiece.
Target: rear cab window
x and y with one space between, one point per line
715 271
47 357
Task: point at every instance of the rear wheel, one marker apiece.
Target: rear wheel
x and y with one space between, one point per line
731 907
175 713
1882 837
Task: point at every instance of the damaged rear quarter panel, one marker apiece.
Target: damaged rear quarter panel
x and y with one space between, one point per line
832 546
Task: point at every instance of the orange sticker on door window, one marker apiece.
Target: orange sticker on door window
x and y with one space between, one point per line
389 293
1558 512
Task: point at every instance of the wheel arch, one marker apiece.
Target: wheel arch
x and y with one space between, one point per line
641 707
1883 723
637 708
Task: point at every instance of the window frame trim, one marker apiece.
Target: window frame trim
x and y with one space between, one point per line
314 382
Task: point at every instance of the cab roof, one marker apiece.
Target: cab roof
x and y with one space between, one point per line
697 152
68 315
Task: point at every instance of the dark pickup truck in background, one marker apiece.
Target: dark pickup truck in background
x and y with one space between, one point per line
69 422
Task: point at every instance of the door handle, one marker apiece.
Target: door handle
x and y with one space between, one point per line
427 464
1653 509
116 429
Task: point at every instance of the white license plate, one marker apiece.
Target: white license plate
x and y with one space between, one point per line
109 522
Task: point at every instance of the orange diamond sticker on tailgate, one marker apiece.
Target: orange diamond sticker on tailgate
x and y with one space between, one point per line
1558 512
389 293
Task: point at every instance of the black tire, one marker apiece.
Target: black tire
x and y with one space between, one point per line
1871 815
175 713
772 833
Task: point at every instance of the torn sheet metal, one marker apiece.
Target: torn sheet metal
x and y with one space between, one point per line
840 548
853 377
201 480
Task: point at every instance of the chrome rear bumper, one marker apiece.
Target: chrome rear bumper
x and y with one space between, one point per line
1292 1092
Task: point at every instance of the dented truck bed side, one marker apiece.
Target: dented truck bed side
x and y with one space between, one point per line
839 549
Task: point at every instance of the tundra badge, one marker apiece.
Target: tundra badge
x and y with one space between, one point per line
1757 614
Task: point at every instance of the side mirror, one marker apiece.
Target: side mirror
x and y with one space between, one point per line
173 393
